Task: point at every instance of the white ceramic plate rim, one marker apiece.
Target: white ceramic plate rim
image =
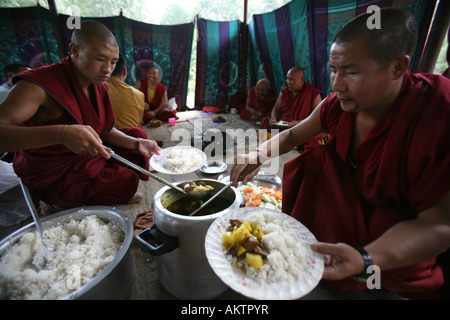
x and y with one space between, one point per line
241 283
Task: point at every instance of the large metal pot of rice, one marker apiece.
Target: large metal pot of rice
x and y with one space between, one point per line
114 281
177 241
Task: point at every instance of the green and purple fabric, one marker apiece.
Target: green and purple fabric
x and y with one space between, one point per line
218 62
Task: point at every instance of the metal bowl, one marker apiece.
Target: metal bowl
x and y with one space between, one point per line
261 180
113 282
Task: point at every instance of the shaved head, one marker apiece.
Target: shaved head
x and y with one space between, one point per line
263 83
92 30
297 70
397 35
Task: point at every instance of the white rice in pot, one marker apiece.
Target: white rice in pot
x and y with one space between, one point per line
284 247
181 160
83 248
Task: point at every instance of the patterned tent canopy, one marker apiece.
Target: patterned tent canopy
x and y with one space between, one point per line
299 33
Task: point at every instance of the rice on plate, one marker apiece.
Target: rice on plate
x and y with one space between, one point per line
177 160
83 248
290 269
182 160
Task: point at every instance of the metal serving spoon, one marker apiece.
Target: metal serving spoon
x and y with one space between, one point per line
142 170
41 256
248 169
198 194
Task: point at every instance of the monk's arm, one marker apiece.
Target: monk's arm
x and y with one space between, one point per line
27 100
276 109
279 144
162 105
22 103
407 242
118 138
248 105
416 240
317 100
292 137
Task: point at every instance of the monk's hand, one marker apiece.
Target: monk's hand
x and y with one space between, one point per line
149 148
239 164
151 115
341 260
293 123
82 138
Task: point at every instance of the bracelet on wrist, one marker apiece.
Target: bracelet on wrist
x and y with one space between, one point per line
261 156
136 144
363 276
62 133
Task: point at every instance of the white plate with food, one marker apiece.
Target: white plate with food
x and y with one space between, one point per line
281 124
178 160
282 267
213 167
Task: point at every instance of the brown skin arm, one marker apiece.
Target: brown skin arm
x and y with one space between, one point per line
248 105
406 243
26 100
279 144
162 105
276 109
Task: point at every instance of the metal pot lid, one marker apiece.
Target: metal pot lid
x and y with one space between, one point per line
260 177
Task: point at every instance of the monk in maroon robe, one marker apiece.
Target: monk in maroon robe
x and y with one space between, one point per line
378 193
58 119
296 102
260 101
155 97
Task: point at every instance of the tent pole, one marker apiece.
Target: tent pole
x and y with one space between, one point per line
438 32
244 50
57 28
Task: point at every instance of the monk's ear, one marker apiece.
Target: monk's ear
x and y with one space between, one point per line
74 49
400 66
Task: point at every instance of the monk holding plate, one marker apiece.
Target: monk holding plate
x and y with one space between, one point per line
377 195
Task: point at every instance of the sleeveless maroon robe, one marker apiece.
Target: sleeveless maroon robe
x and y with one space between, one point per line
403 169
56 175
298 107
160 89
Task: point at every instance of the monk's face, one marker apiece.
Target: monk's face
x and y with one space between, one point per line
94 62
261 90
153 75
295 80
360 84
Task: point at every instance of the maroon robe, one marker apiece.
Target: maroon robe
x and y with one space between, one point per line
402 169
160 89
298 107
55 174
263 106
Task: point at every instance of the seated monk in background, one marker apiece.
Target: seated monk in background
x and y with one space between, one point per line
260 101
155 97
57 118
295 102
128 102
378 194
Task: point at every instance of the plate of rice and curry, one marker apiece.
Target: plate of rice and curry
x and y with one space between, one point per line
263 254
178 160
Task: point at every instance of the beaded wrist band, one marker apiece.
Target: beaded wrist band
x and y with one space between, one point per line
136 144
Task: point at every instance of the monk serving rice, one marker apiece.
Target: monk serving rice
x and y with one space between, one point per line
56 119
378 192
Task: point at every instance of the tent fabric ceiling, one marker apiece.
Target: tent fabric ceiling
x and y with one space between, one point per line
299 33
